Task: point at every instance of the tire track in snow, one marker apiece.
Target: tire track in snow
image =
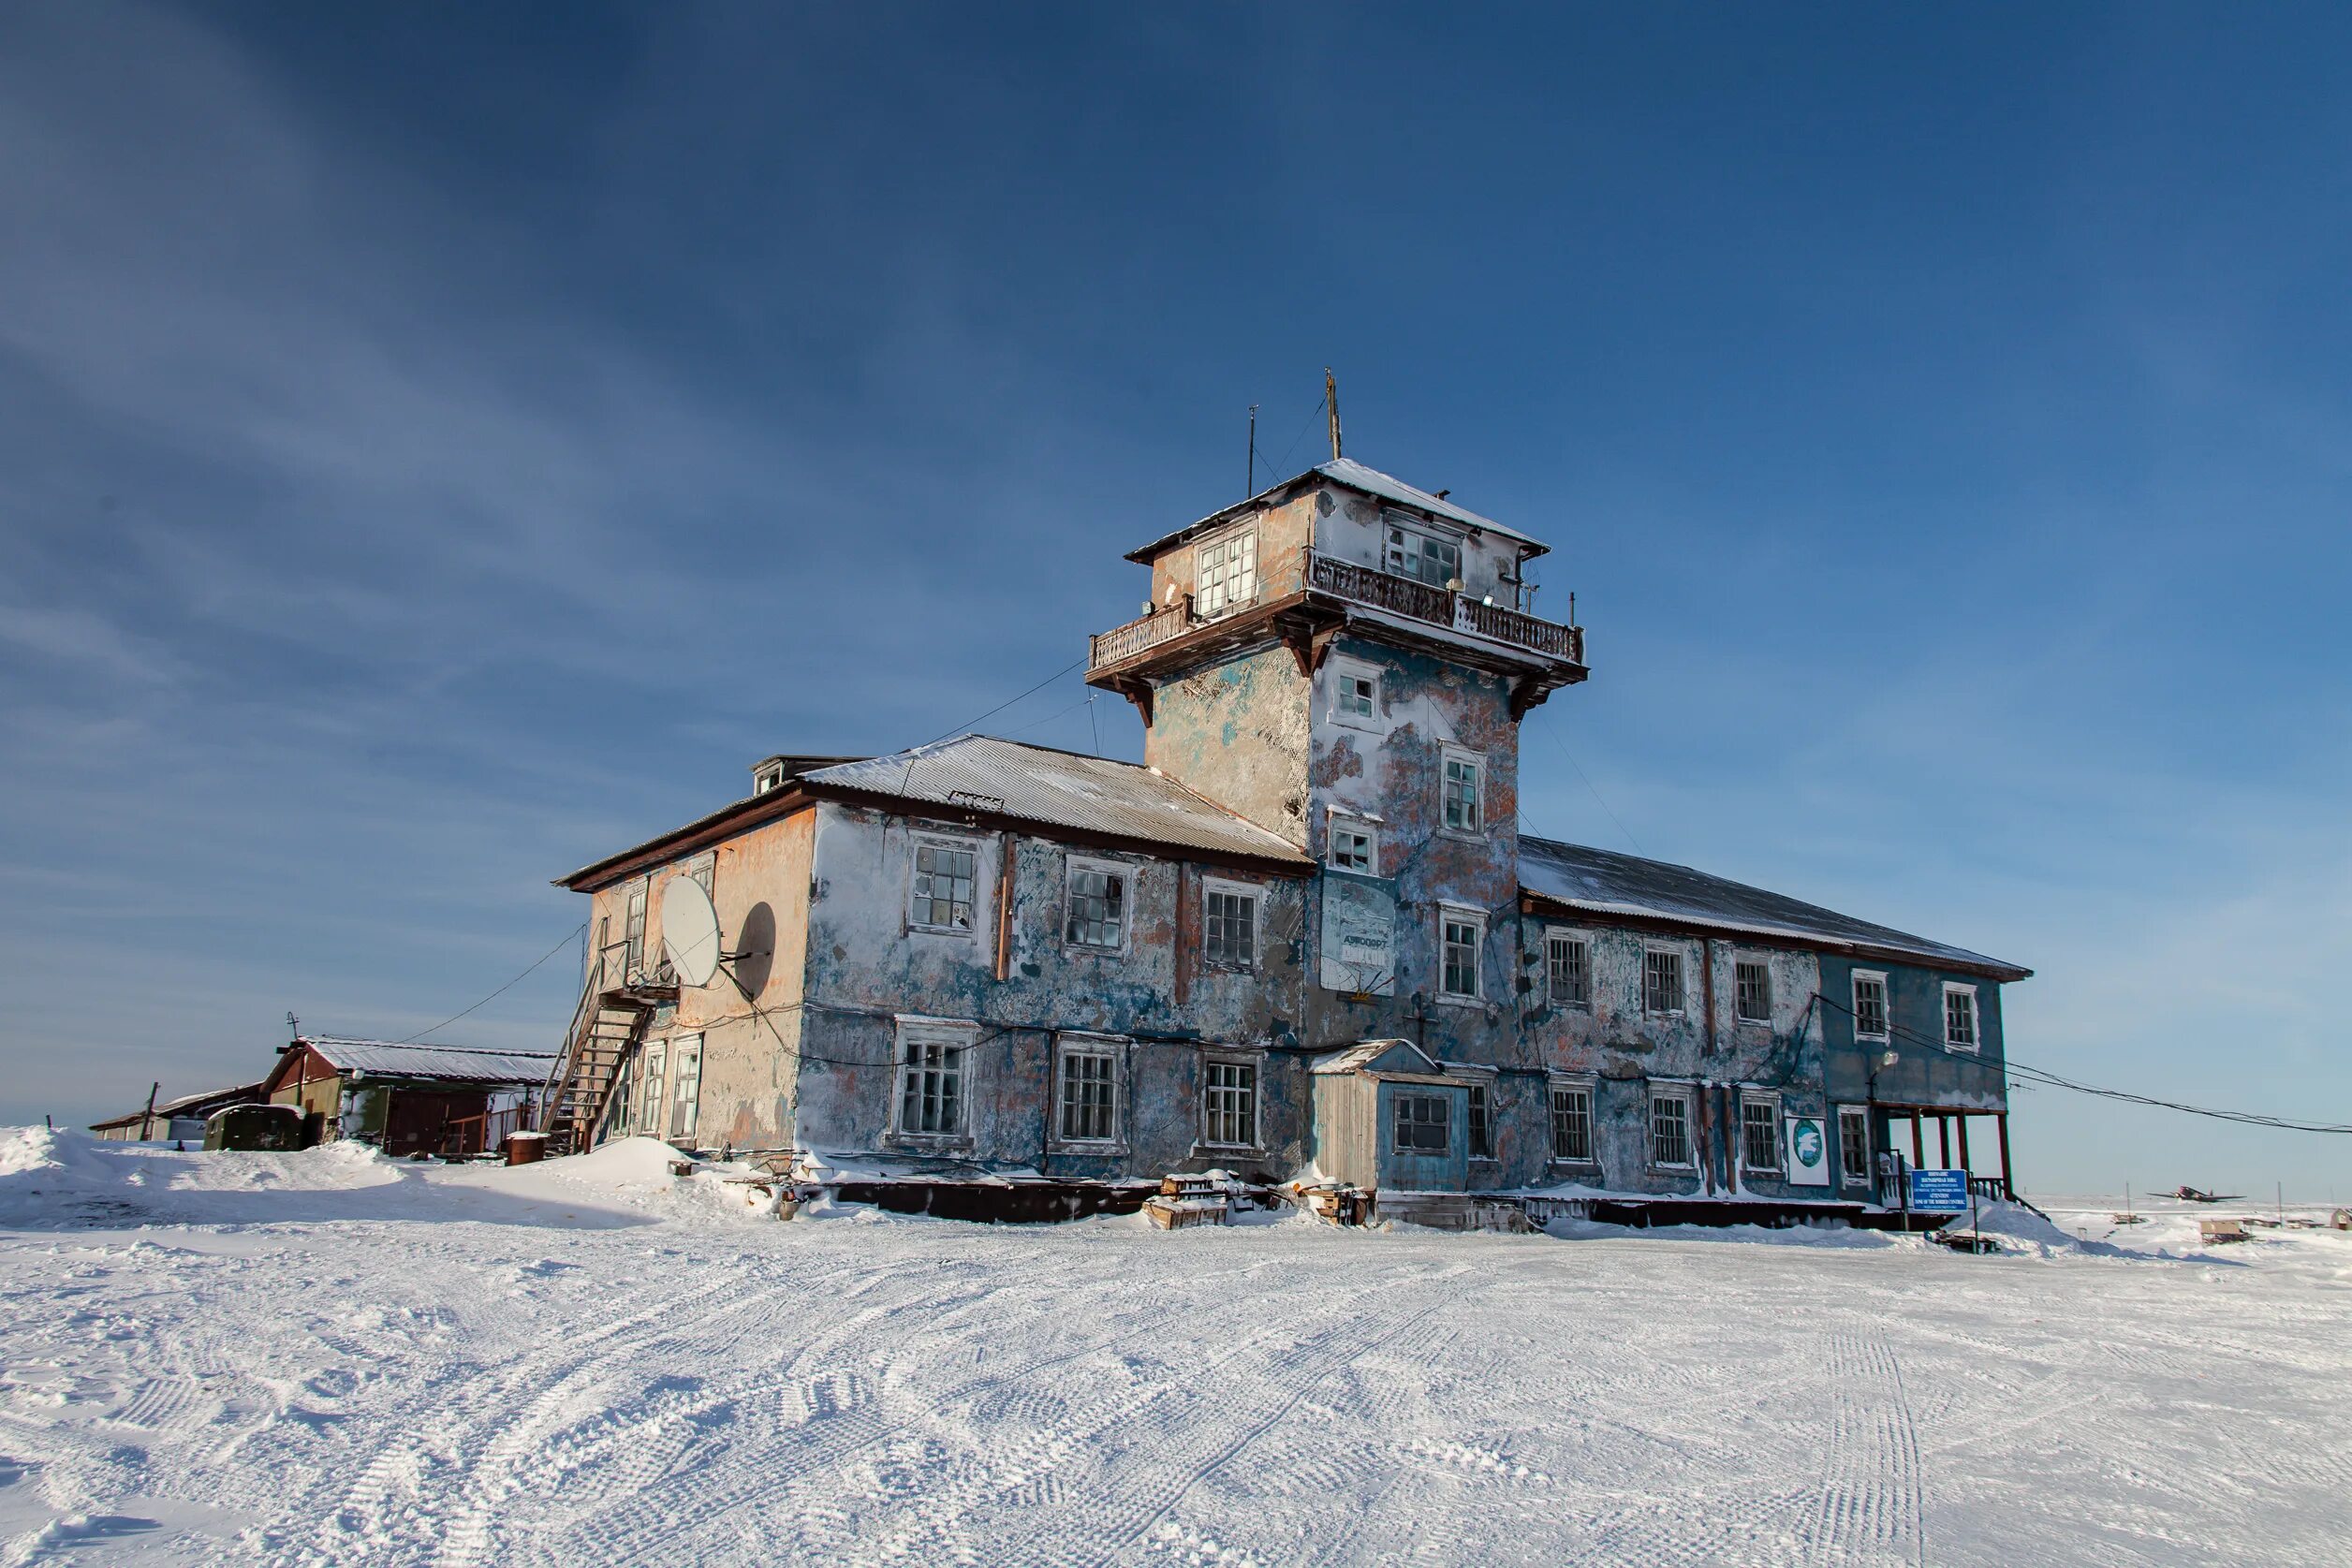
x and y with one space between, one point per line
1871 1503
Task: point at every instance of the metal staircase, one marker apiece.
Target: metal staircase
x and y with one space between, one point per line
606 1028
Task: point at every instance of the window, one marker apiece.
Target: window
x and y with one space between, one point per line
1959 1017
1229 1103
1870 1006
1753 987
1460 934
1459 796
1354 847
649 1116
617 1114
1572 1123
1423 1125
1661 981
1355 694
1567 969
1226 578
685 1093
940 897
702 867
1760 1133
1096 914
1481 1124
1228 927
1854 1145
633 928
1088 1097
1423 557
1669 1128
931 1060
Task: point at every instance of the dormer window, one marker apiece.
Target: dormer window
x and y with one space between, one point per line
1422 555
1226 574
768 775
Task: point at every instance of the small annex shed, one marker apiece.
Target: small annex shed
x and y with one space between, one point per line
181 1119
1389 1116
409 1099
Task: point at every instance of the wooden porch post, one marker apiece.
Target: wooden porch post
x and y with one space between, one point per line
1964 1146
2009 1182
1918 1148
1944 1139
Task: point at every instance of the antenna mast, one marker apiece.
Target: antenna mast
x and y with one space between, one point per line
1331 401
1251 489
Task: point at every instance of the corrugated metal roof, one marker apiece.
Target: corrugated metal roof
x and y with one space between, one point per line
1057 789
1348 472
456 1064
1363 1053
1603 882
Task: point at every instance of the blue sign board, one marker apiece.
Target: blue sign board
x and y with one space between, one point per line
1939 1191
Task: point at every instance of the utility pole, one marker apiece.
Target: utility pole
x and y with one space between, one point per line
1331 401
147 1119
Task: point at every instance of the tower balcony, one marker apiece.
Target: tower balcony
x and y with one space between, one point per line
1308 600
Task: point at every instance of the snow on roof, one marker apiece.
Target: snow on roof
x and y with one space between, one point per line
184 1102
457 1063
1603 882
1056 789
1355 475
1357 1057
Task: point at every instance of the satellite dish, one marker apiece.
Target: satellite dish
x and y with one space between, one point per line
690 930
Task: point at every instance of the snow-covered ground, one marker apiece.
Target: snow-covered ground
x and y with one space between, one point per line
326 1357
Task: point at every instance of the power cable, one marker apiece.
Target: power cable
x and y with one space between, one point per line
502 991
1544 725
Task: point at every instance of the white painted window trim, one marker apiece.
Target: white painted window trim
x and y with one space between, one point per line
680 1048
1256 896
1588 1086
1583 938
945 841
1672 1088
1071 865
1227 602
1457 912
1885 1003
913 1028
1242 1057
1682 962
1975 1018
1116 1046
1341 669
1763 1097
1423 528
1338 817
1848 1176
1448 753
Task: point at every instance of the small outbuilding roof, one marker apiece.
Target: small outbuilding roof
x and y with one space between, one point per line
1603 882
1355 476
1054 789
451 1064
186 1105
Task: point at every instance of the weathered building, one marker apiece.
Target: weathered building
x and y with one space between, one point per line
407 1098
181 1118
1304 936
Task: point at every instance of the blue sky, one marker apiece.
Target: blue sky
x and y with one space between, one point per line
440 446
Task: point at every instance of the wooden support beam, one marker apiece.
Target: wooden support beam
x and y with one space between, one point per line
1918 1148
1943 1137
1964 1146
2009 1182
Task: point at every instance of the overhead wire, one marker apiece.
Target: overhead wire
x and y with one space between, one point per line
502 991
1544 725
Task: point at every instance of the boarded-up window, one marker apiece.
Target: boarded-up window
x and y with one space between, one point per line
1423 1125
1755 992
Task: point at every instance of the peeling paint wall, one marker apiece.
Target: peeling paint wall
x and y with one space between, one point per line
1237 732
867 965
1282 532
1354 527
1922 1073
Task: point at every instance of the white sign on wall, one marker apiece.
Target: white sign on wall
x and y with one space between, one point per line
1359 936
1808 1152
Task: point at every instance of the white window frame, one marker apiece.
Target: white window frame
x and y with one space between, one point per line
1455 913
917 842
950 1034
1450 755
1975 1042
1227 596
653 1106
1584 968
1771 1100
634 905
704 869
1071 866
1679 1092
1114 1046
1420 532
1849 1175
1560 1084
685 1100
1337 822
1682 981
1247 964
1886 1004
1342 672
1255 1062
1756 962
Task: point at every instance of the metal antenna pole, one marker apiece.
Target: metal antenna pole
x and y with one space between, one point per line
1251 489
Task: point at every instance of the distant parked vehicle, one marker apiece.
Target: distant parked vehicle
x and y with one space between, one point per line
254 1127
